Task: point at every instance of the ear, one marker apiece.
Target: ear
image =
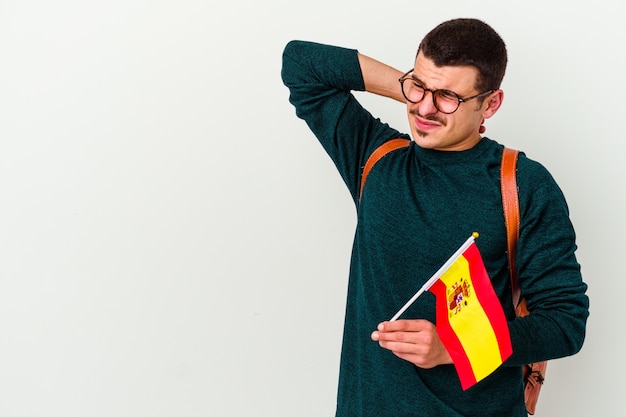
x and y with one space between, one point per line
493 103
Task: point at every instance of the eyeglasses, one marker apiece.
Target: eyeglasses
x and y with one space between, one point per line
445 101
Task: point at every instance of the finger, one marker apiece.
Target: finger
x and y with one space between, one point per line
422 355
415 325
401 337
415 338
417 360
398 336
402 347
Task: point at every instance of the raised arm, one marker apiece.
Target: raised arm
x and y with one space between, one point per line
321 80
380 78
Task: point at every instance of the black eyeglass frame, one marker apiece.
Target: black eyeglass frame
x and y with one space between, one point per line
433 92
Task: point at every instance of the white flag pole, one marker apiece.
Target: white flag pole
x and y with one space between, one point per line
437 274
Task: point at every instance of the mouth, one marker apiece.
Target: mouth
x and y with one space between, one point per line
425 124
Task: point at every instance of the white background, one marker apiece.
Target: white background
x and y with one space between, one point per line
174 241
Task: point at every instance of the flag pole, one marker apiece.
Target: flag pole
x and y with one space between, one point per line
436 275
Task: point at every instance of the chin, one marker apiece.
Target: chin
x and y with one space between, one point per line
425 140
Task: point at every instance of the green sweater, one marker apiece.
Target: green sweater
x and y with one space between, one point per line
417 208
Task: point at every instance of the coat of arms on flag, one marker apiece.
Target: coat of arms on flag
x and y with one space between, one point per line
457 296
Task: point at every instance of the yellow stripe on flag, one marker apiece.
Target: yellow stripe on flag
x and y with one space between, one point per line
466 314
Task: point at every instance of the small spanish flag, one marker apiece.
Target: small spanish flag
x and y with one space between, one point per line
470 319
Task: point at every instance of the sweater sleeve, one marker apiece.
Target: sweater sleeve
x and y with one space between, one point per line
321 79
549 275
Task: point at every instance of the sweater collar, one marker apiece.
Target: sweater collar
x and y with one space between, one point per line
432 156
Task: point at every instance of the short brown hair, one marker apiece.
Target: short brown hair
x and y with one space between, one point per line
468 42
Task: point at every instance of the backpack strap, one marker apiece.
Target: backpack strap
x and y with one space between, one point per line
378 153
510 203
533 373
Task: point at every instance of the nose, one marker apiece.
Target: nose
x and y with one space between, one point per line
427 105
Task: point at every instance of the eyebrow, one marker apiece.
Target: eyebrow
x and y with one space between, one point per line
415 78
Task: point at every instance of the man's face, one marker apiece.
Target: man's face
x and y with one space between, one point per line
457 131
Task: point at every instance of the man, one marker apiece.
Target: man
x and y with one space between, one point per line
420 203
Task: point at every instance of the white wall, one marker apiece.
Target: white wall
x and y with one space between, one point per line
174 241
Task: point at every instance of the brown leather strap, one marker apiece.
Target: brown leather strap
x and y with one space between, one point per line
510 202
378 153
